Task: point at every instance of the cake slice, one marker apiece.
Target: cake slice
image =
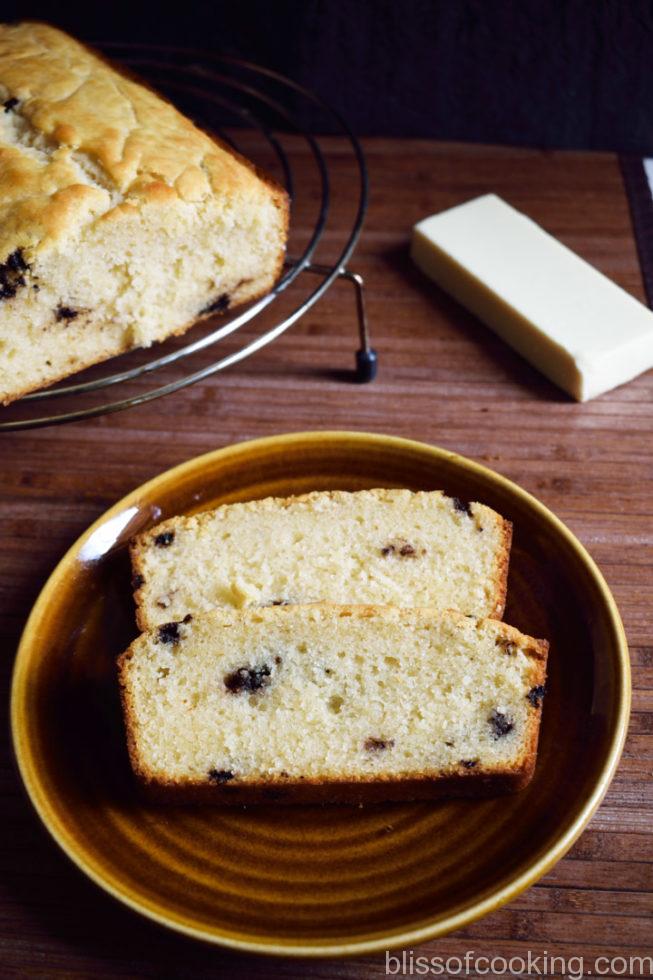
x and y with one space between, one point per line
121 222
372 547
332 703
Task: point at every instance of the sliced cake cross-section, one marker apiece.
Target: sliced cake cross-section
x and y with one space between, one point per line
332 703
372 547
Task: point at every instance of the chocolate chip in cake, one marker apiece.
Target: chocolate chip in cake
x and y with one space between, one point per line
221 775
469 763
11 274
402 548
66 313
16 261
137 581
10 104
218 305
248 679
462 505
169 633
500 724
378 744
9 290
279 602
164 539
536 695
450 744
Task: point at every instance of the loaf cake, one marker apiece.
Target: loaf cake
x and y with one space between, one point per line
370 547
332 703
121 223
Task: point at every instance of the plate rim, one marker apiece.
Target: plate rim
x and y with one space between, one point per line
373 943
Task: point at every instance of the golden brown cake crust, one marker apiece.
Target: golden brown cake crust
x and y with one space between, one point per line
502 569
147 150
476 782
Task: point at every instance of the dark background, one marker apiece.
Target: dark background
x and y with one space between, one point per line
552 73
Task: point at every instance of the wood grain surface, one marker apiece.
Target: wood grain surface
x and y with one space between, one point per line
443 379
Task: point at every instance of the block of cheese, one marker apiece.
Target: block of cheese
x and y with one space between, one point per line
121 223
341 703
374 546
567 319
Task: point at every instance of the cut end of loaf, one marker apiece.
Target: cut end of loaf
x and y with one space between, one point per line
171 224
149 277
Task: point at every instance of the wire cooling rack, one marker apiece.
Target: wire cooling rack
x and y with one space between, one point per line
245 105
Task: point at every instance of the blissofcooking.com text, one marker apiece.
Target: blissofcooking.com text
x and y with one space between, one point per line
411 964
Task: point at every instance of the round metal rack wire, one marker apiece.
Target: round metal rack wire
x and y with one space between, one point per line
234 99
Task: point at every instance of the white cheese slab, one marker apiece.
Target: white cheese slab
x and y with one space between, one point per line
566 318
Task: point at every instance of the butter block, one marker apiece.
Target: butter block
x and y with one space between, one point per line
567 319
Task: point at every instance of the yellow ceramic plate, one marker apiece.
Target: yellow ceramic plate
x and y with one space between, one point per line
314 881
